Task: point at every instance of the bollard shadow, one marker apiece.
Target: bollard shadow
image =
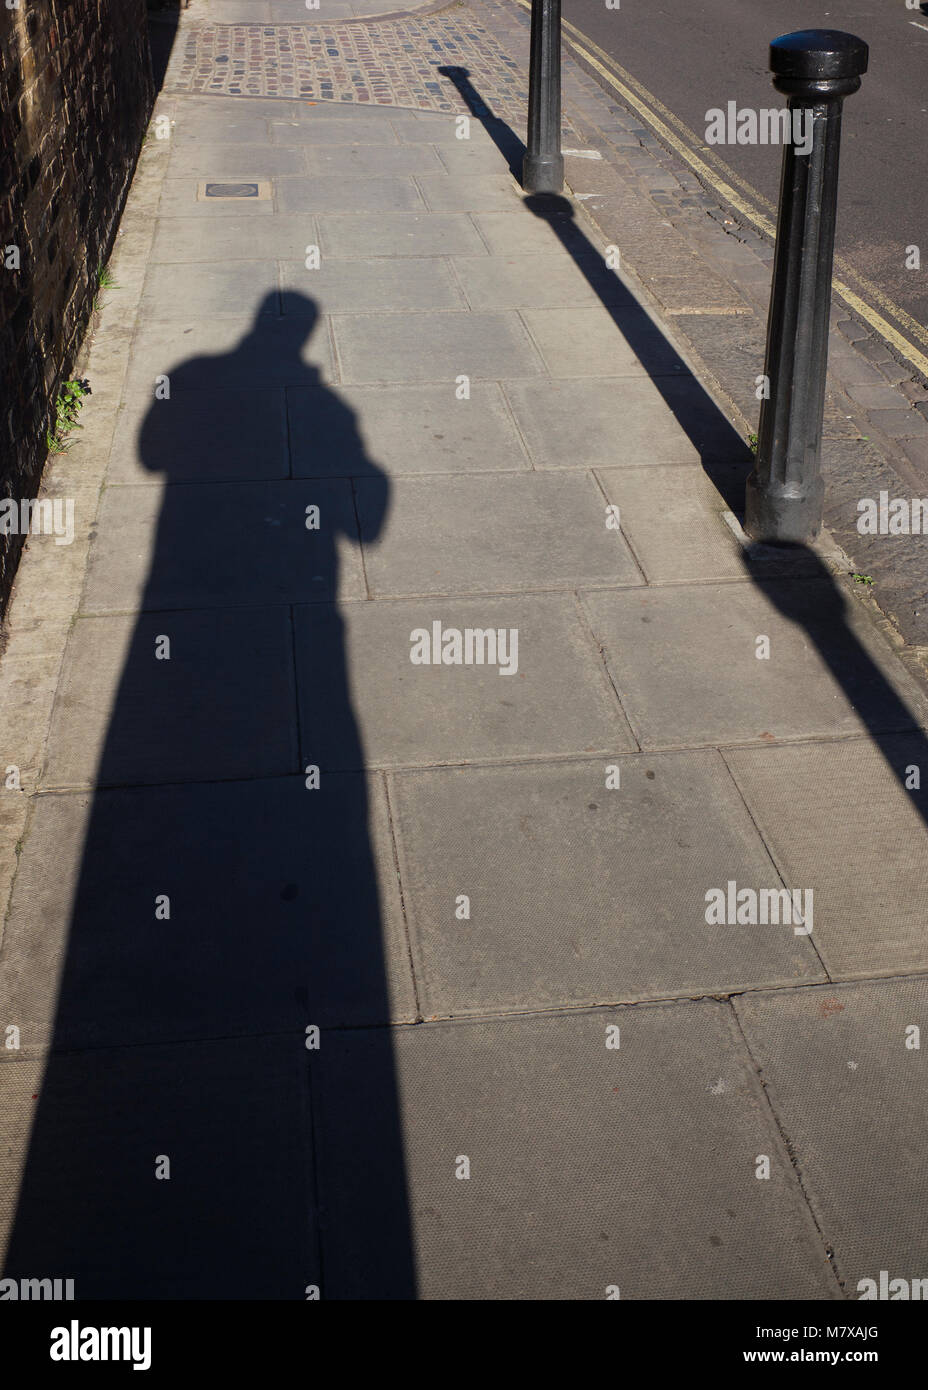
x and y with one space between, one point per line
186 1143
724 455
813 601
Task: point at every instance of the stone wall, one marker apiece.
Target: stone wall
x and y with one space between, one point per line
76 94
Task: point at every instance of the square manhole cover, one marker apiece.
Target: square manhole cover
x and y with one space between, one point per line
214 189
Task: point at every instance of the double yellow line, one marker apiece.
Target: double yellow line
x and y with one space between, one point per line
747 202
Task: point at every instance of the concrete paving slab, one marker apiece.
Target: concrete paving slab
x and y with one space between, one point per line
564 1198
839 819
406 429
229 238
455 535
672 518
465 159
555 703
344 193
361 127
212 289
620 916
360 160
284 912
591 342
228 124
711 633
850 1092
399 234
435 128
103 1124
540 282
203 436
222 354
433 347
625 421
224 161
348 287
124 715
468 192
519 233
227 545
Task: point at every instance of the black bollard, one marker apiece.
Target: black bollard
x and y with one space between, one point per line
543 166
816 69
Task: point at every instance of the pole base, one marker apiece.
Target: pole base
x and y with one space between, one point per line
781 518
543 173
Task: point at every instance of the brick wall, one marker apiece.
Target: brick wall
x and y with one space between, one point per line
75 98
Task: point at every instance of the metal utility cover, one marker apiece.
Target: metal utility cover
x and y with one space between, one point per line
214 189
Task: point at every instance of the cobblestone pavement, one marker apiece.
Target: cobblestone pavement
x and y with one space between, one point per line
390 62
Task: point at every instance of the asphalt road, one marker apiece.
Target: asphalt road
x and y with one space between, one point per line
696 54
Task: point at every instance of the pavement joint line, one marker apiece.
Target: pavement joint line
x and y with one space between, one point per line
792 1155
599 648
486 764
550 1011
404 912
779 868
622 530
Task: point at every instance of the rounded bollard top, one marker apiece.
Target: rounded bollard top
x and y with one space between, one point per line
818 55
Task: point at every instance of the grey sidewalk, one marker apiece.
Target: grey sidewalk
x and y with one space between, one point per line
494 902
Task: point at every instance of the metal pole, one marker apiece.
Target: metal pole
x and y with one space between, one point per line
543 166
816 69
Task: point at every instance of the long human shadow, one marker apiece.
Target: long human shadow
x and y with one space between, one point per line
811 599
723 453
190 1140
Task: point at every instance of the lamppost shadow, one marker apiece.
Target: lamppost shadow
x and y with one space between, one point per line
723 453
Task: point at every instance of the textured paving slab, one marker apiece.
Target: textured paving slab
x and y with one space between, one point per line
213 290
565 1198
405 429
221 354
475 535
208 436
228 545
520 234
225 161
284 912
343 127
620 422
851 1098
557 702
590 342
839 819
468 193
691 541
101 1122
221 706
226 125
468 157
541 282
399 234
362 160
433 347
342 193
711 633
348 287
582 894
231 238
